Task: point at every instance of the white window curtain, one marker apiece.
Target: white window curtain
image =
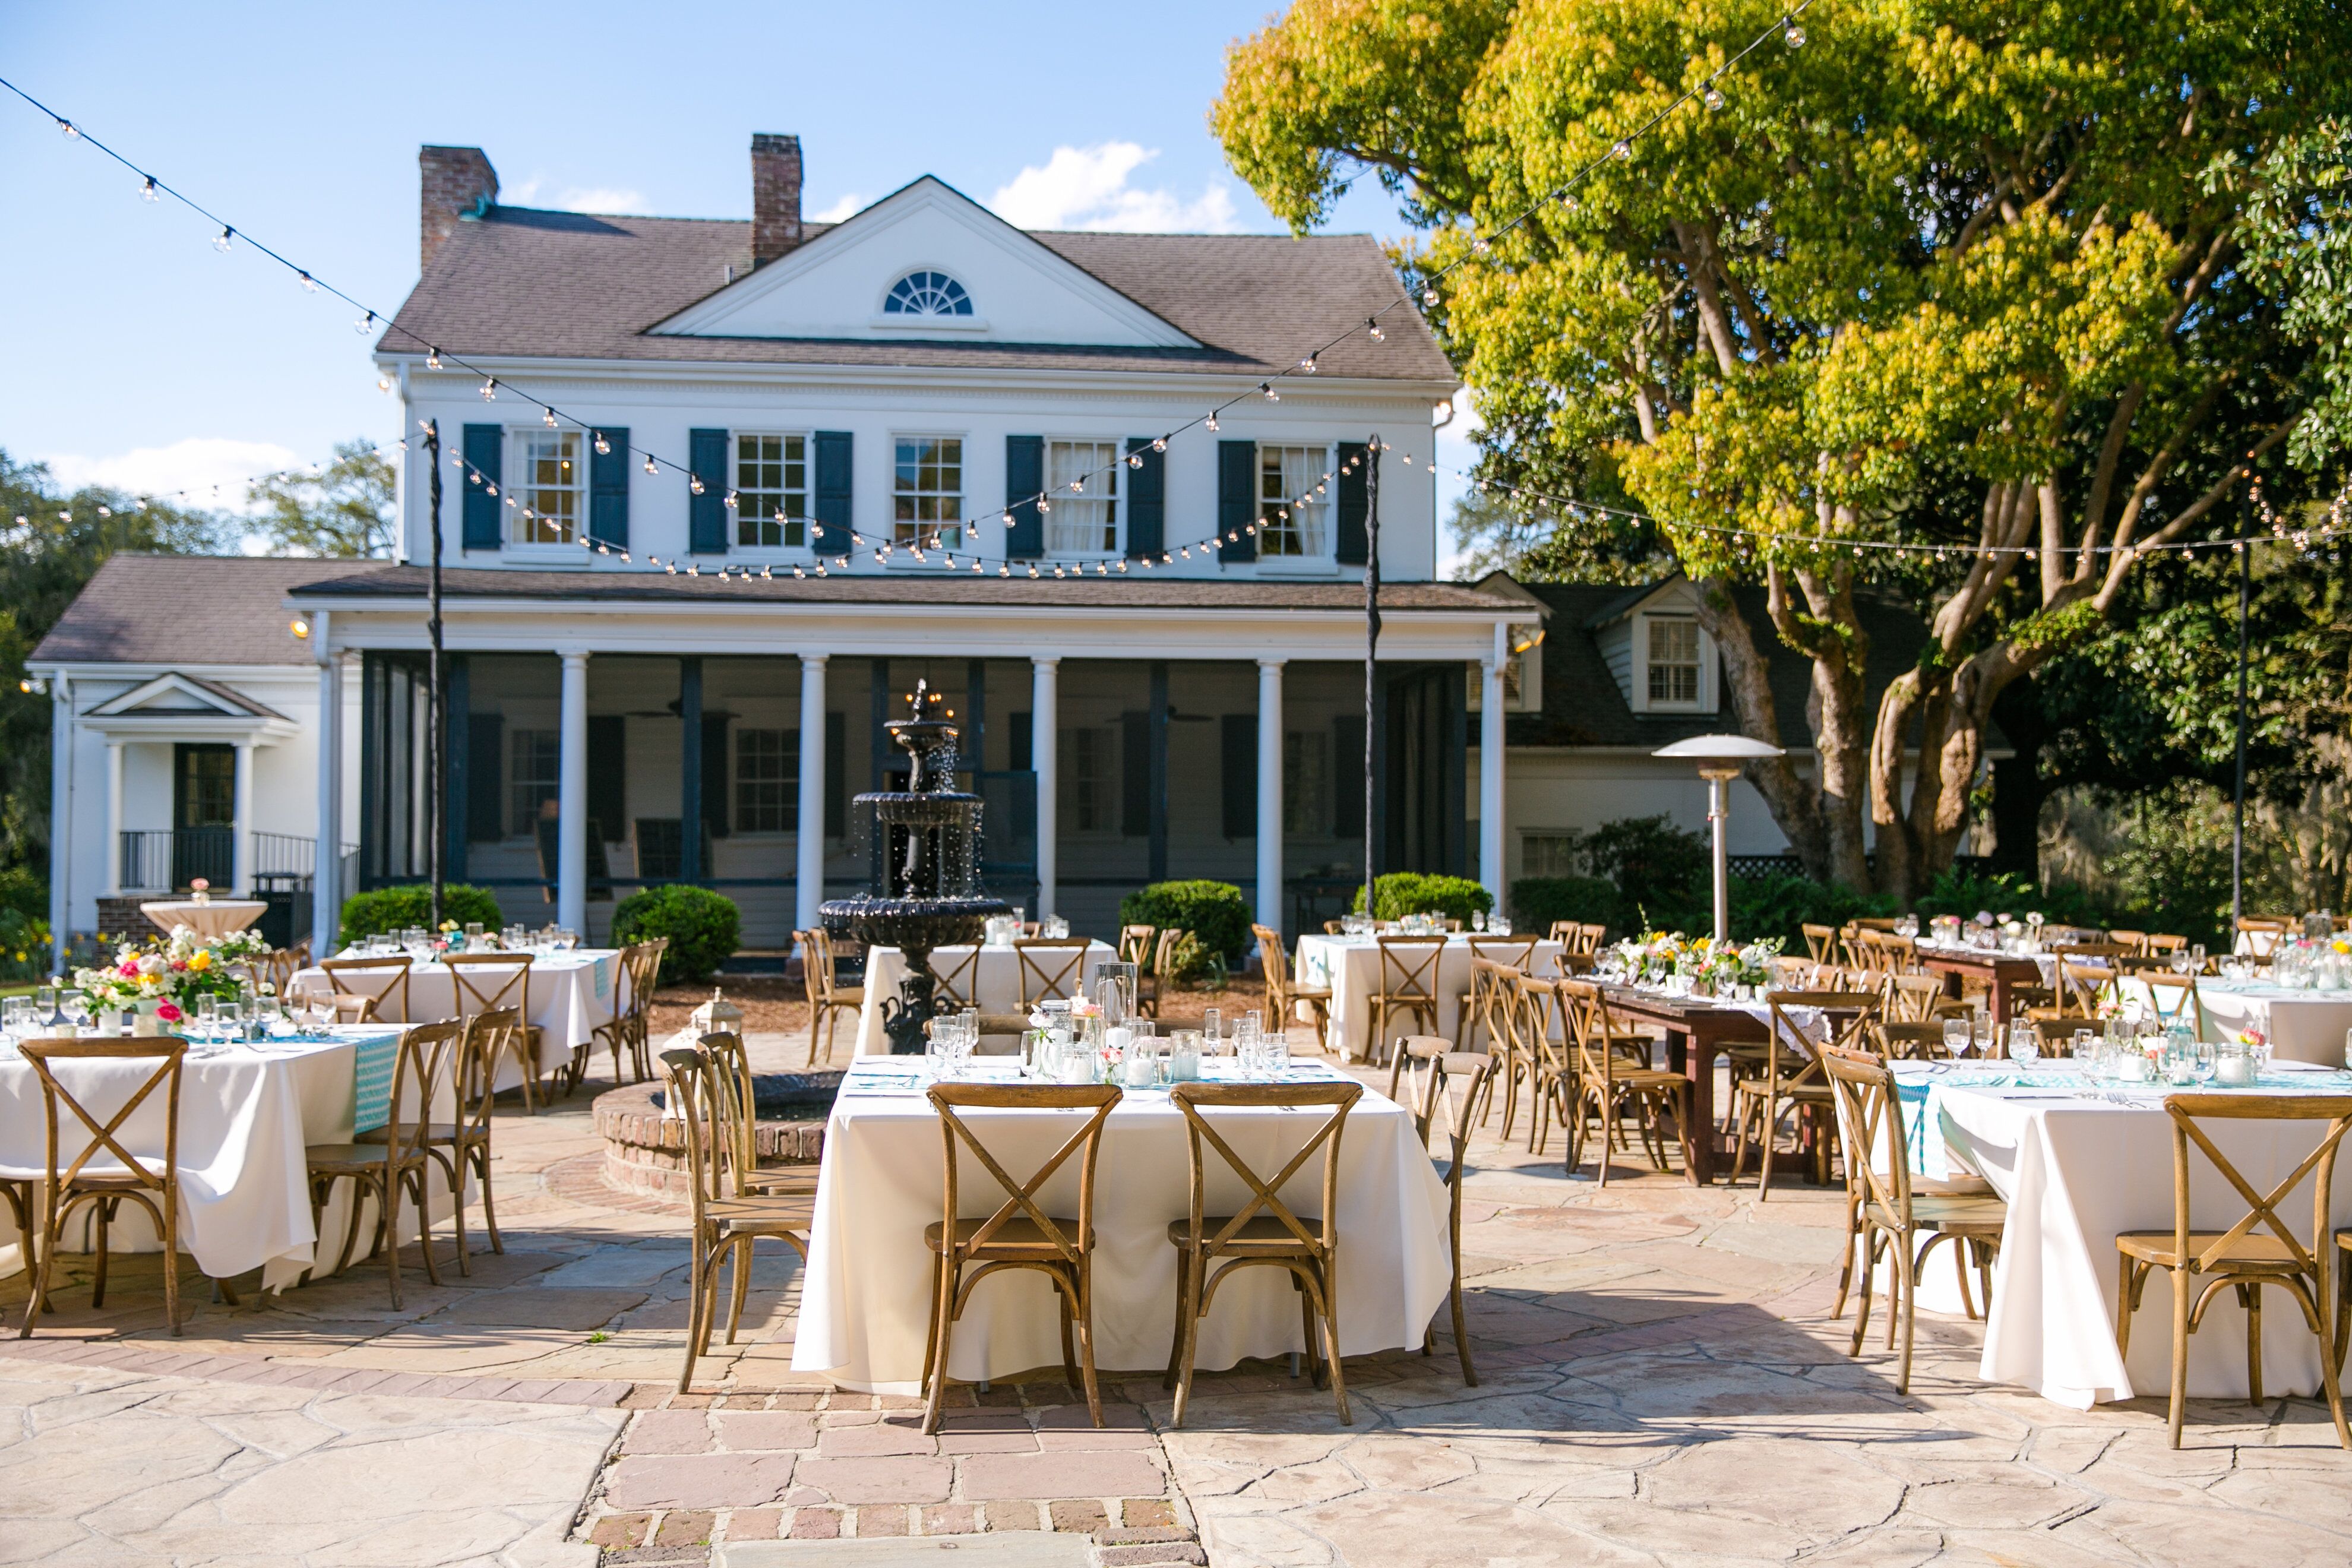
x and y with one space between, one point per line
1085 521
1288 476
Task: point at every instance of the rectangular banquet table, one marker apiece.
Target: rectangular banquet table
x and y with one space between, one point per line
571 994
2078 1163
1350 966
1696 1030
868 1288
246 1114
2302 1026
1995 970
996 981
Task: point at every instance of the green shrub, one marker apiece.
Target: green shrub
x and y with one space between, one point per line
1663 875
1965 894
1402 893
24 891
1214 912
1537 901
397 909
703 927
1782 905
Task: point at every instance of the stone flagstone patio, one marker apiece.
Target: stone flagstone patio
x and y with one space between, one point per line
1659 1385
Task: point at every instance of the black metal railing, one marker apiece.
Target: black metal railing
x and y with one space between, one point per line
160 861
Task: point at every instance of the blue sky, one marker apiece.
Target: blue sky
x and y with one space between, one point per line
139 355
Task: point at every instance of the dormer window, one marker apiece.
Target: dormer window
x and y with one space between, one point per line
926 294
1673 662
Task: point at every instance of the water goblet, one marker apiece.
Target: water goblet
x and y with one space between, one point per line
2204 1061
228 1020
1213 1035
1959 1036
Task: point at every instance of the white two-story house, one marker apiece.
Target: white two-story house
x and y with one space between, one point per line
716 495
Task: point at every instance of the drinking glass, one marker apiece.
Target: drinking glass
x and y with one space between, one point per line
1959 1036
2196 958
2204 1061
228 1020
2024 1042
45 1002
1248 1033
77 1010
1479 920
1213 1035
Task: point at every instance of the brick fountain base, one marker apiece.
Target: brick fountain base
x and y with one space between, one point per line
645 1151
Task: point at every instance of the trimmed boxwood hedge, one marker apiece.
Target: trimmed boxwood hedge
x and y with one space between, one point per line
1402 893
1214 912
397 909
704 928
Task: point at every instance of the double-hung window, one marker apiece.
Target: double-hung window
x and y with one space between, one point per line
767 781
532 758
926 491
1083 521
550 503
1674 661
772 491
1292 517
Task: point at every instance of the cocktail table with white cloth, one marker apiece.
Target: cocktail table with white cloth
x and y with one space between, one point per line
571 994
247 1113
215 918
996 982
1350 966
2302 1026
2080 1161
868 1288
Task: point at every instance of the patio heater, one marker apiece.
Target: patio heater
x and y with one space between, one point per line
1719 759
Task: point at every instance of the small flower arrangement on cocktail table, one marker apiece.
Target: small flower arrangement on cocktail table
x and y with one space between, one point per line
200 891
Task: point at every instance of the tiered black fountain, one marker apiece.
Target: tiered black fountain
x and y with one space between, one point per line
928 893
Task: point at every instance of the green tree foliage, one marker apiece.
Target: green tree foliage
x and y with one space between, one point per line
344 510
1952 274
51 544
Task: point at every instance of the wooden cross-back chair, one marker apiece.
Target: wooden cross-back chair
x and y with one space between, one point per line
99 1168
422 1063
2261 1249
1912 998
631 1028
1882 1210
2260 933
1604 1081
382 979
959 978
828 998
1910 1040
1516 951
1135 944
277 968
2174 999
486 982
464 1145
1157 972
734 1139
1406 985
1792 1076
724 1222
2161 945
1480 1011
2081 988
1020 1234
1265 1232
1446 1085
1285 992
1821 943
1051 968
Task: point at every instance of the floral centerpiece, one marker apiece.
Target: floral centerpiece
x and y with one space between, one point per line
1651 956
158 982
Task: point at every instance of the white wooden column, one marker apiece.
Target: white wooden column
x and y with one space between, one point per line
327 859
571 798
808 872
240 833
1269 793
1045 737
113 883
1490 767
61 821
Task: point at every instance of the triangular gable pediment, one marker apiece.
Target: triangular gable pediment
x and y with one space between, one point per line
836 285
1675 596
177 696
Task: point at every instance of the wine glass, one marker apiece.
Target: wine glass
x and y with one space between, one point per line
2024 1042
1959 1036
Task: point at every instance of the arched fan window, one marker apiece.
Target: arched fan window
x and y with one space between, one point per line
926 294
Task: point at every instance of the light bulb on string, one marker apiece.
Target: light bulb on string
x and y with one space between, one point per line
1271 395
365 324
1211 423
603 448
1793 35
433 359
383 383
1033 571
547 417
310 284
1621 151
1008 520
1372 326
651 467
1429 296
1307 364
1135 459
67 128
1714 96
147 191
490 390
1160 443
223 240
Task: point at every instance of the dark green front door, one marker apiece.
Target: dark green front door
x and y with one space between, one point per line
204 815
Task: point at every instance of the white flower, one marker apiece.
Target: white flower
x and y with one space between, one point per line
153 963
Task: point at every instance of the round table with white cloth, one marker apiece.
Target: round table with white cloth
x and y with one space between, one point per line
571 994
1350 966
246 1112
868 1287
2077 1169
2302 1026
212 920
995 981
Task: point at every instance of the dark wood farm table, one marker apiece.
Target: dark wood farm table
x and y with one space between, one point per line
1997 971
1696 1031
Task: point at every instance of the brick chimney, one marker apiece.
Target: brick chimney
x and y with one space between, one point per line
775 196
455 181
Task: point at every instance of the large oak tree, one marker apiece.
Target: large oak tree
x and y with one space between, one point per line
1952 273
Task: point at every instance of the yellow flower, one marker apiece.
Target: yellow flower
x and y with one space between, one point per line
201 961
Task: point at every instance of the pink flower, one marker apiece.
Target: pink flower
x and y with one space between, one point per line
168 1012
129 970
179 965
198 884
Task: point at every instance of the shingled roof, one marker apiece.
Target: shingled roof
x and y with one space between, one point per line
173 610
525 283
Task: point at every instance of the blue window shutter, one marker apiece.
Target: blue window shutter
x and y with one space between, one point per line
485 455
832 469
705 514
1236 499
1025 477
1353 542
608 497
1237 762
1146 500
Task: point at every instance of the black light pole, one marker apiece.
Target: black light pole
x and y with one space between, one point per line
437 778
1372 646
2238 830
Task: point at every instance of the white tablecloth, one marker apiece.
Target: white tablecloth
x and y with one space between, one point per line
2077 1171
217 917
868 1283
1351 965
998 980
245 1117
2302 1026
570 995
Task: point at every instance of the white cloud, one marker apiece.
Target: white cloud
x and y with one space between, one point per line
534 192
848 206
1087 188
213 471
